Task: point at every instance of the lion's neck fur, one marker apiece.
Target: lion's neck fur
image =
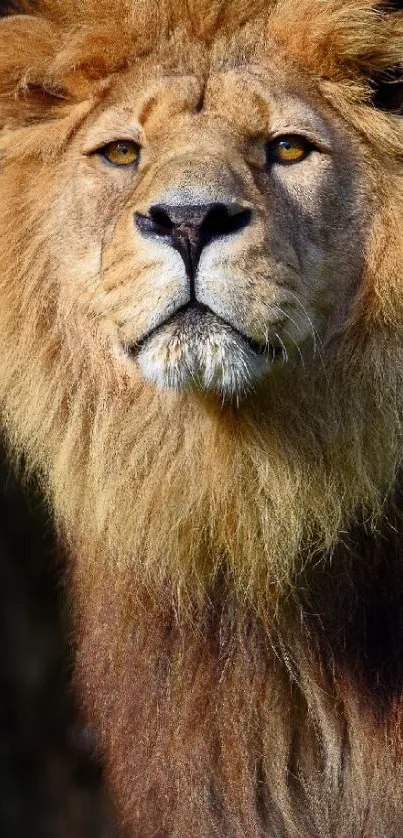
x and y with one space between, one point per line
171 490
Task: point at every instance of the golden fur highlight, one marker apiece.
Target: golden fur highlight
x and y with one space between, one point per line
224 558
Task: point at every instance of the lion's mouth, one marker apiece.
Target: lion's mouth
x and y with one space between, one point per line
196 348
192 315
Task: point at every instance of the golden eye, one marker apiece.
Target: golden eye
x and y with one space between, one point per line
121 152
290 148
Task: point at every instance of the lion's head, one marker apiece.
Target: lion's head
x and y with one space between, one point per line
217 230
200 275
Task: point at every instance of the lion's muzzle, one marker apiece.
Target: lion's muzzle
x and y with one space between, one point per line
189 229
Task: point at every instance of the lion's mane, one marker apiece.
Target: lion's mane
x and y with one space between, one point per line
236 569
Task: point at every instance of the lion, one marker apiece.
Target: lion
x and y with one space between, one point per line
201 332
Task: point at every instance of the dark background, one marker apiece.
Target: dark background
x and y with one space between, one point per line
50 780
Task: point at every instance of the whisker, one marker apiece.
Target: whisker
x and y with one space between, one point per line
315 334
317 340
297 326
298 348
283 348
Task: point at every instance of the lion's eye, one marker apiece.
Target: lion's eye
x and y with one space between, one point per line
289 149
121 152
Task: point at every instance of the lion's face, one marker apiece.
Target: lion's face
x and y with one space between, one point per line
209 223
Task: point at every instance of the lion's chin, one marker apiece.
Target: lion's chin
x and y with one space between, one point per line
199 351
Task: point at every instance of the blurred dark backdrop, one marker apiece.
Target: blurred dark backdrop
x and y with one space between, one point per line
50 781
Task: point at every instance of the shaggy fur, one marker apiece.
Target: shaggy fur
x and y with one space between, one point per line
236 568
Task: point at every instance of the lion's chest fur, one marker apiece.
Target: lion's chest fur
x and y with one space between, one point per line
223 723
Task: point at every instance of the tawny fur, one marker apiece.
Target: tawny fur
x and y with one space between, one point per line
232 565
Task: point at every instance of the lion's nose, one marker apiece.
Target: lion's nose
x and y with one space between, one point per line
191 228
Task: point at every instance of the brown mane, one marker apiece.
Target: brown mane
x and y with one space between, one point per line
232 566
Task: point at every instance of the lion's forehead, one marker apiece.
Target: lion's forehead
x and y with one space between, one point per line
249 99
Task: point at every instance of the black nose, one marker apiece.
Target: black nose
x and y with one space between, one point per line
190 228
